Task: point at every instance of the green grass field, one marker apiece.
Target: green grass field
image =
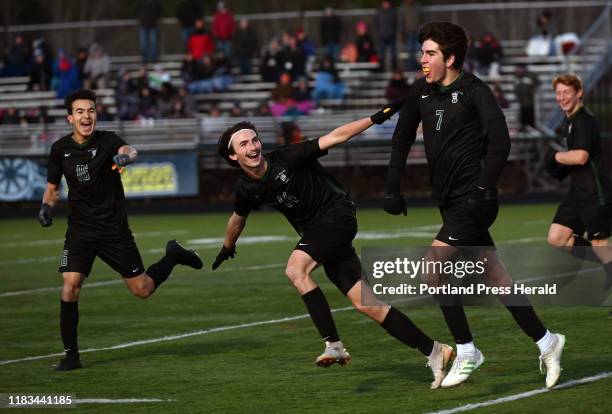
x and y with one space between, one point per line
226 347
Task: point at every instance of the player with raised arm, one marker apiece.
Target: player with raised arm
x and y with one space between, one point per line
466 144
291 180
90 160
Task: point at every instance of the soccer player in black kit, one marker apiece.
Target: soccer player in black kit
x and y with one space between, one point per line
467 144
588 206
291 180
90 160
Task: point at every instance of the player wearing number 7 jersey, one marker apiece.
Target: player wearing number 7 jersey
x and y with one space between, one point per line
467 144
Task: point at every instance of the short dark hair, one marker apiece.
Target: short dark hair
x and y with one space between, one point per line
223 147
79 94
451 37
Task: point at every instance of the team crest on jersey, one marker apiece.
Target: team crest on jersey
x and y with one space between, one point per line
282 177
455 97
93 152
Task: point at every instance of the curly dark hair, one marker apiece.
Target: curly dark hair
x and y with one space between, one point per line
80 94
223 148
451 37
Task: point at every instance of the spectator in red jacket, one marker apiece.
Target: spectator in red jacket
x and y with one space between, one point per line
223 28
200 42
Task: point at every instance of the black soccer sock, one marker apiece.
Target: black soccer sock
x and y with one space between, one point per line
584 250
454 315
160 271
320 313
69 320
524 315
403 329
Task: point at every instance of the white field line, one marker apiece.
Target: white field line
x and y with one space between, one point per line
175 337
233 327
515 397
143 235
211 330
118 401
209 243
214 242
119 281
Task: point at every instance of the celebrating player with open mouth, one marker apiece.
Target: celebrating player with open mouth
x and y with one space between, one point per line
467 144
588 205
291 180
91 160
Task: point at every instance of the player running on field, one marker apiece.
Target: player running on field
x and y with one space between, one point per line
467 144
91 160
291 180
588 206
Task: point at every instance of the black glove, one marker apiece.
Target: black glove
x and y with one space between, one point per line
394 204
121 160
387 111
556 170
223 255
44 215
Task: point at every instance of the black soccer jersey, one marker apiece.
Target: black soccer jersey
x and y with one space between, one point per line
590 183
95 193
465 134
295 184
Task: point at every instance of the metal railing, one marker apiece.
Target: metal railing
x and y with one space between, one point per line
119 37
600 29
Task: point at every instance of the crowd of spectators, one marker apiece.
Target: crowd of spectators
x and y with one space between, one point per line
303 73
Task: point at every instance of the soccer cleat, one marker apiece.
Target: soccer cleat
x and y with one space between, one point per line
437 361
68 364
463 367
334 353
183 256
550 362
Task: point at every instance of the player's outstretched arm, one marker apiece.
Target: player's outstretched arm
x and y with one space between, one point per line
50 197
234 228
348 131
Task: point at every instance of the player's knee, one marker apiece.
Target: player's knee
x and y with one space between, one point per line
373 312
558 240
295 274
599 242
141 291
360 307
70 291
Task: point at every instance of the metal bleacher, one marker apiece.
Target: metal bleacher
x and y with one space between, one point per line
365 94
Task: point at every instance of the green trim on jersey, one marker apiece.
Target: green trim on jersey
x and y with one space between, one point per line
600 194
267 172
452 85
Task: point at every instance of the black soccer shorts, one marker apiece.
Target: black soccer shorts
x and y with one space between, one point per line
330 243
120 253
467 228
593 218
